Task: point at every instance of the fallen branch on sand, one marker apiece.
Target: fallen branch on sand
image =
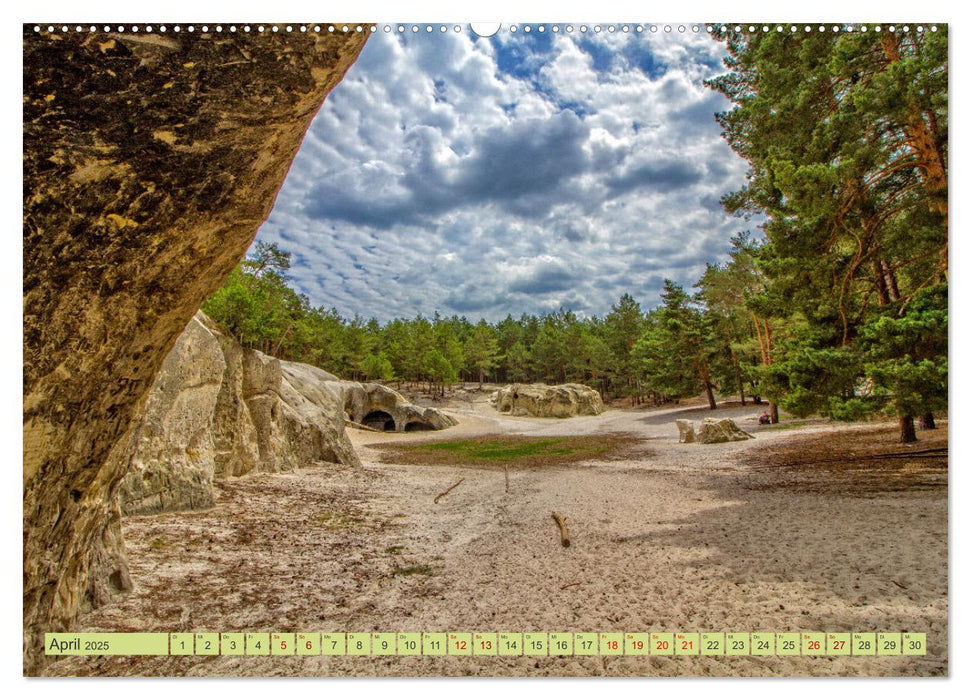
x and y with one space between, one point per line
445 492
570 585
564 533
507 478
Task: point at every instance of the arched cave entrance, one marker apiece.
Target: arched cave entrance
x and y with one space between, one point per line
417 425
379 420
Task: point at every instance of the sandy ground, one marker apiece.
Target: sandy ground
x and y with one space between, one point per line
679 538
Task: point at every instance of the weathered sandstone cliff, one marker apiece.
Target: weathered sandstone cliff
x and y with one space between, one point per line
217 410
149 162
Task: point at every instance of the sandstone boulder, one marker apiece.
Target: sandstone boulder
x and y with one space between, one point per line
378 407
218 410
715 430
686 430
174 447
543 401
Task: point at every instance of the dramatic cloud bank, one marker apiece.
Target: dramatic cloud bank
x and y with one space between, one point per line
517 173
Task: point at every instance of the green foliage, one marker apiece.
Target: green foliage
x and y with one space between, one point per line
672 354
377 368
482 350
436 368
805 381
623 327
846 137
734 297
906 353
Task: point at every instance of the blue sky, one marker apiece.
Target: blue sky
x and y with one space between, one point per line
518 173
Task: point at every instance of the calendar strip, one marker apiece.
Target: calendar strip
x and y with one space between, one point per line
487 644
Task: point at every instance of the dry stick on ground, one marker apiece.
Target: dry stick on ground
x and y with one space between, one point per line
564 533
570 585
507 478
448 489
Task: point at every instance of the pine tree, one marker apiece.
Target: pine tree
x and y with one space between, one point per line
482 350
623 327
846 136
673 353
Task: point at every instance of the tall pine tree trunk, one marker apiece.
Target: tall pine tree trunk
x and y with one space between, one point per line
892 290
907 432
927 422
773 413
711 396
880 279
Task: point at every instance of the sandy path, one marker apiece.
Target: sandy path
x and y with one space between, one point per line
677 541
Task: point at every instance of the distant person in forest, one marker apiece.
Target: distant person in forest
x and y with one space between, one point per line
765 419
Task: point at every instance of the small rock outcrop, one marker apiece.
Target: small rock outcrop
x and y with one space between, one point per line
378 407
686 430
715 430
218 410
543 401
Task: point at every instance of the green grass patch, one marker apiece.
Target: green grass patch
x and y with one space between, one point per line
511 450
394 549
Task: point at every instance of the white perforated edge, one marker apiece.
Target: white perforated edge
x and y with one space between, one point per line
521 29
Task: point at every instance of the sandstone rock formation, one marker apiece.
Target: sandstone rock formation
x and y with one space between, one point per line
560 401
720 430
149 162
686 430
217 410
381 408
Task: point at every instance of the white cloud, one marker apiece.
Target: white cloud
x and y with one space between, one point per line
486 177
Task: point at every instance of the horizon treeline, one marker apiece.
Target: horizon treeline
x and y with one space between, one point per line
257 305
838 307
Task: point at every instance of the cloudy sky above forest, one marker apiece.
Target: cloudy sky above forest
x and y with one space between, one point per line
510 174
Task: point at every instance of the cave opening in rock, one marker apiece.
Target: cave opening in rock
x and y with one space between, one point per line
417 425
379 420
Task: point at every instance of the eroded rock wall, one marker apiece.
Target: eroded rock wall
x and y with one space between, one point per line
217 410
173 450
149 162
